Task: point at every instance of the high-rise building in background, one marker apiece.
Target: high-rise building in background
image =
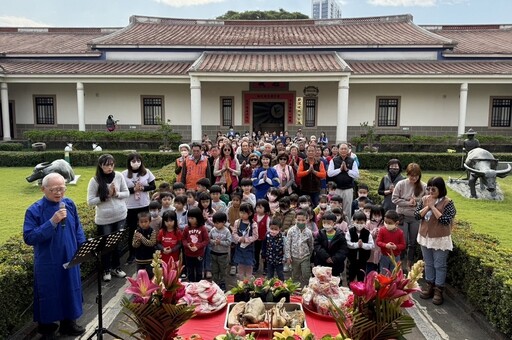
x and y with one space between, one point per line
326 9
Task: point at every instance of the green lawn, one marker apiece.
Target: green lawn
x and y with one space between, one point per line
17 194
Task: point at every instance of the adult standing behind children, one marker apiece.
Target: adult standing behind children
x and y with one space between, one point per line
195 167
107 192
53 228
343 170
388 182
264 177
227 169
139 181
406 195
311 171
436 212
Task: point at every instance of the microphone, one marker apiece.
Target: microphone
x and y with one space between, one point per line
62 205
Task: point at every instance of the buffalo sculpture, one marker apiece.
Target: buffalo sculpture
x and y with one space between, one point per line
482 166
59 166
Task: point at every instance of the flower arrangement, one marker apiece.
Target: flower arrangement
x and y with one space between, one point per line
259 287
375 309
154 308
278 287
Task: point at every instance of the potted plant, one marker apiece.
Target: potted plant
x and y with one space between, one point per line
282 289
243 290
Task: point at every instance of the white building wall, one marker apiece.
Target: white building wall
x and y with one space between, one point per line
479 101
211 93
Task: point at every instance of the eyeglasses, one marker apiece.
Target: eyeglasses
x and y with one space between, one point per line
282 159
253 160
227 149
57 190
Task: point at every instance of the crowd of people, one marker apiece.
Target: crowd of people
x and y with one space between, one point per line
261 205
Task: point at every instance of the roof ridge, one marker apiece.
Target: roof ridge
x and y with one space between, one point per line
467 27
62 30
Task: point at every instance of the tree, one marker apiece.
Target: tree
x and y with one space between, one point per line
262 15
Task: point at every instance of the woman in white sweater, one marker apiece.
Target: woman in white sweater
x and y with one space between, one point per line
406 195
107 191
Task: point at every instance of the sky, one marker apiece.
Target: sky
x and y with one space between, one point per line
116 13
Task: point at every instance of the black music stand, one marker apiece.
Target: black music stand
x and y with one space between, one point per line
94 248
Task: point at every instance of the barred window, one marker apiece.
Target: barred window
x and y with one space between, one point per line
152 110
500 112
44 109
310 112
387 111
226 111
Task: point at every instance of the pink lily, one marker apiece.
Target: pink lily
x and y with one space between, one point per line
390 292
141 287
407 303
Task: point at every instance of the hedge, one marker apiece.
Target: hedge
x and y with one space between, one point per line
8 146
78 136
485 278
82 158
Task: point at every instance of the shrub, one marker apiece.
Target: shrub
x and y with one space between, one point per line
485 278
11 146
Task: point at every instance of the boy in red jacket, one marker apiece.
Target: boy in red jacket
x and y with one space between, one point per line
390 240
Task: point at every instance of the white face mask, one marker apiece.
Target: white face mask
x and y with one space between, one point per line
359 227
304 205
390 227
135 165
153 214
184 153
328 227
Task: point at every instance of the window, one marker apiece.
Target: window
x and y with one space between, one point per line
500 112
226 111
310 112
387 111
152 110
44 109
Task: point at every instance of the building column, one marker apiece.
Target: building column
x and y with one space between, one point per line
5 111
342 114
195 109
81 106
463 104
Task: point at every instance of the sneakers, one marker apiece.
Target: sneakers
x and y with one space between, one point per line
106 276
119 272
232 272
286 268
208 275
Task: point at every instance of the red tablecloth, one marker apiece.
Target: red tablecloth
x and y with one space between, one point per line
212 325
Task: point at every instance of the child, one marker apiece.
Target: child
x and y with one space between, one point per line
331 246
294 199
273 196
180 202
262 218
233 215
191 199
162 187
304 202
144 241
287 217
205 203
336 202
341 221
217 204
178 189
169 237
298 249
166 199
321 209
220 242
311 223
391 240
360 244
367 210
375 222
195 239
156 219
362 191
273 250
224 197
331 189
245 232
247 195
203 185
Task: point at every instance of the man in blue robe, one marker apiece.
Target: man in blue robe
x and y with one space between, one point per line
53 228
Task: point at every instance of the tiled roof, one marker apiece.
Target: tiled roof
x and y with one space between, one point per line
484 39
270 62
374 32
432 68
25 67
54 41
